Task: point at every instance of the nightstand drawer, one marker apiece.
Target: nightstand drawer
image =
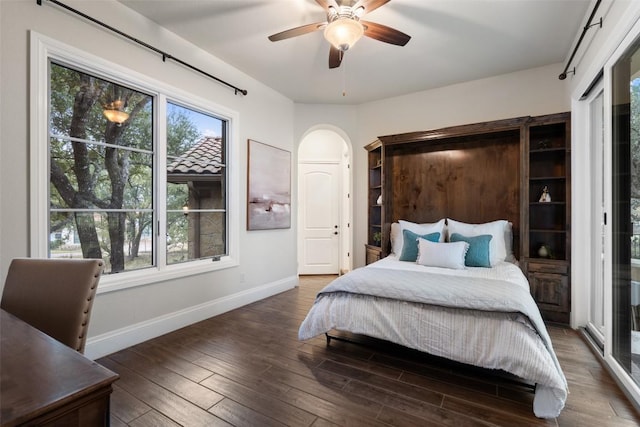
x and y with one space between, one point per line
548 267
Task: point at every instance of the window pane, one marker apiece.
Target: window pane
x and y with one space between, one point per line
625 194
136 190
196 183
137 250
195 235
79 103
101 169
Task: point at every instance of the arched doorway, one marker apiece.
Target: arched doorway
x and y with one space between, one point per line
324 202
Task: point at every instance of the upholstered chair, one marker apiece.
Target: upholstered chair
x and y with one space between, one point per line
53 295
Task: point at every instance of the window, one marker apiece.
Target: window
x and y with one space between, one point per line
128 170
101 169
196 185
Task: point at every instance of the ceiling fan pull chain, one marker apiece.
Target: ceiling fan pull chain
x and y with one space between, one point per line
344 78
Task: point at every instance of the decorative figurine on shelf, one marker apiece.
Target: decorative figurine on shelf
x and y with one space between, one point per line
544 252
379 201
545 196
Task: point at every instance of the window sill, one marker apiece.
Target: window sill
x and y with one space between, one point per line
126 280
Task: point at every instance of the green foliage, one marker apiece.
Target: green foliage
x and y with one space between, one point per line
182 134
103 176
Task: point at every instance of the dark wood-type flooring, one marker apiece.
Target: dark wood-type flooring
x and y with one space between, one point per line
247 368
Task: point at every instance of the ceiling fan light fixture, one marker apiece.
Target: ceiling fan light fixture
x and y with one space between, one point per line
343 33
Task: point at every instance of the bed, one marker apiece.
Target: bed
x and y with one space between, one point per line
478 315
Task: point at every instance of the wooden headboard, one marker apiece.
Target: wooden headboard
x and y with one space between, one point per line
469 173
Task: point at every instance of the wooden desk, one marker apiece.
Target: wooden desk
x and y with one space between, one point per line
44 382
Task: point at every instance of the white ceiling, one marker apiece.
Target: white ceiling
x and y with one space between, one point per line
452 41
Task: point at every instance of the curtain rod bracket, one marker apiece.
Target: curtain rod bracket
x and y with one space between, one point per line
563 75
599 24
164 55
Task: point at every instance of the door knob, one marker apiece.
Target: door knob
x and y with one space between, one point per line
335 232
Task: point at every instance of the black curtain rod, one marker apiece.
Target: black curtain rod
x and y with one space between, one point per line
563 75
165 55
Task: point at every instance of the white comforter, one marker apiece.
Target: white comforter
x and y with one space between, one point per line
480 316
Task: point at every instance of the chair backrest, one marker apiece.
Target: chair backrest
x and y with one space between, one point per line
53 295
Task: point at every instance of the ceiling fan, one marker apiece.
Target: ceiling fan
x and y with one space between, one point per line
344 27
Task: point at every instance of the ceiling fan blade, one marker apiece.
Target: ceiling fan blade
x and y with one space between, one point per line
385 34
369 5
335 57
326 3
298 31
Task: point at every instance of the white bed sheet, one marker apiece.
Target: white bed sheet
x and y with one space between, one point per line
493 340
506 271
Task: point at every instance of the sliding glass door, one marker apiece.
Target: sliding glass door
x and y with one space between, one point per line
595 324
625 218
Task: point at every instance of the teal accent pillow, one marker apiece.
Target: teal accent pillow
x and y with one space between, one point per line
410 244
478 254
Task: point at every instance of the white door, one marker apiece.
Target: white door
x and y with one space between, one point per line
319 204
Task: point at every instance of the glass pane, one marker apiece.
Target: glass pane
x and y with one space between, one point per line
80 103
626 209
196 181
193 235
135 190
101 158
89 235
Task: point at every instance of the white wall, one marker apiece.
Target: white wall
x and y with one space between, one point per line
321 145
124 317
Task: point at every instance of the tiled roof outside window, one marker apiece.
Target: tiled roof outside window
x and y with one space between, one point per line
205 157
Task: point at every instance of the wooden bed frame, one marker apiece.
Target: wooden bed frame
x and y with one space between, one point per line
470 173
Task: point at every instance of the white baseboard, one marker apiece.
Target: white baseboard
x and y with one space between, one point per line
119 339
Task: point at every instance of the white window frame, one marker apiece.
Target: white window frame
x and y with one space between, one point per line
44 49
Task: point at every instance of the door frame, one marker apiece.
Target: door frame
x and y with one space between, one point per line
346 201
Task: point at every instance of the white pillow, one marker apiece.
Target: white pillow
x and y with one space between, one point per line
500 230
508 242
424 228
420 229
396 238
446 255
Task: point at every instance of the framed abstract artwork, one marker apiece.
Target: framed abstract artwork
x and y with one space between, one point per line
268 187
